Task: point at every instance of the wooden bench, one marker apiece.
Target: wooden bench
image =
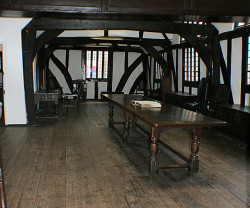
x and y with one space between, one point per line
179 98
238 119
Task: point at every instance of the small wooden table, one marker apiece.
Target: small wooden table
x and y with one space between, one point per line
166 116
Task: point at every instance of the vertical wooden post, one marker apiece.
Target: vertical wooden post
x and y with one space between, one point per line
154 163
28 38
110 71
229 67
194 161
67 60
40 68
216 62
145 80
96 90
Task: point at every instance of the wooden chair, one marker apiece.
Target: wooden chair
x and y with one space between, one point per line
72 100
201 102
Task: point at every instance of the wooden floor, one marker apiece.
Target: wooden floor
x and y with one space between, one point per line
80 162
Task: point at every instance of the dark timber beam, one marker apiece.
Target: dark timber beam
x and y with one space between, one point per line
106 33
44 38
128 72
171 61
40 68
226 72
97 40
216 62
136 83
100 48
67 60
150 26
200 47
28 38
240 32
145 80
157 56
63 70
110 71
168 42
229 67
141 33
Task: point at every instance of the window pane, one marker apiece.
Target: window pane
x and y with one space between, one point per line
96 65
105 74
88 64
100 64
191 65
94 57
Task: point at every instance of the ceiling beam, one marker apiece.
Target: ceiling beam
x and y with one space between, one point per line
149 26
44 38
112 40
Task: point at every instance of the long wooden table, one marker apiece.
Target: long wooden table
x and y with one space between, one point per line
166 116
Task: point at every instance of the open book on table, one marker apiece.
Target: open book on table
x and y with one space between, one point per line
146 103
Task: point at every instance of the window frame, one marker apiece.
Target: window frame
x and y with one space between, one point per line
158 73
104 64
190 66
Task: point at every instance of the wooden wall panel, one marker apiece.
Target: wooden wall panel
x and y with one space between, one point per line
221 7
149 6
174 8
5 4
75 3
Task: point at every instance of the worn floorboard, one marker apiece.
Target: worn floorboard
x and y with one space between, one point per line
79 162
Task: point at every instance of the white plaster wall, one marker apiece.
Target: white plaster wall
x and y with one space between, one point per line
82 33
61 55
236 61
131 58
236 69
123 33
14 98
75 64
224 27
118 70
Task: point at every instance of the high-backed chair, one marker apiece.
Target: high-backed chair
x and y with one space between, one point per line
222 94
72 100
201 102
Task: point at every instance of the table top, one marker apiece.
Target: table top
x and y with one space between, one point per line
167 115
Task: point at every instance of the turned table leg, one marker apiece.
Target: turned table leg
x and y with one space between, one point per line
134 122
194 161
126 125
111 114
154 163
